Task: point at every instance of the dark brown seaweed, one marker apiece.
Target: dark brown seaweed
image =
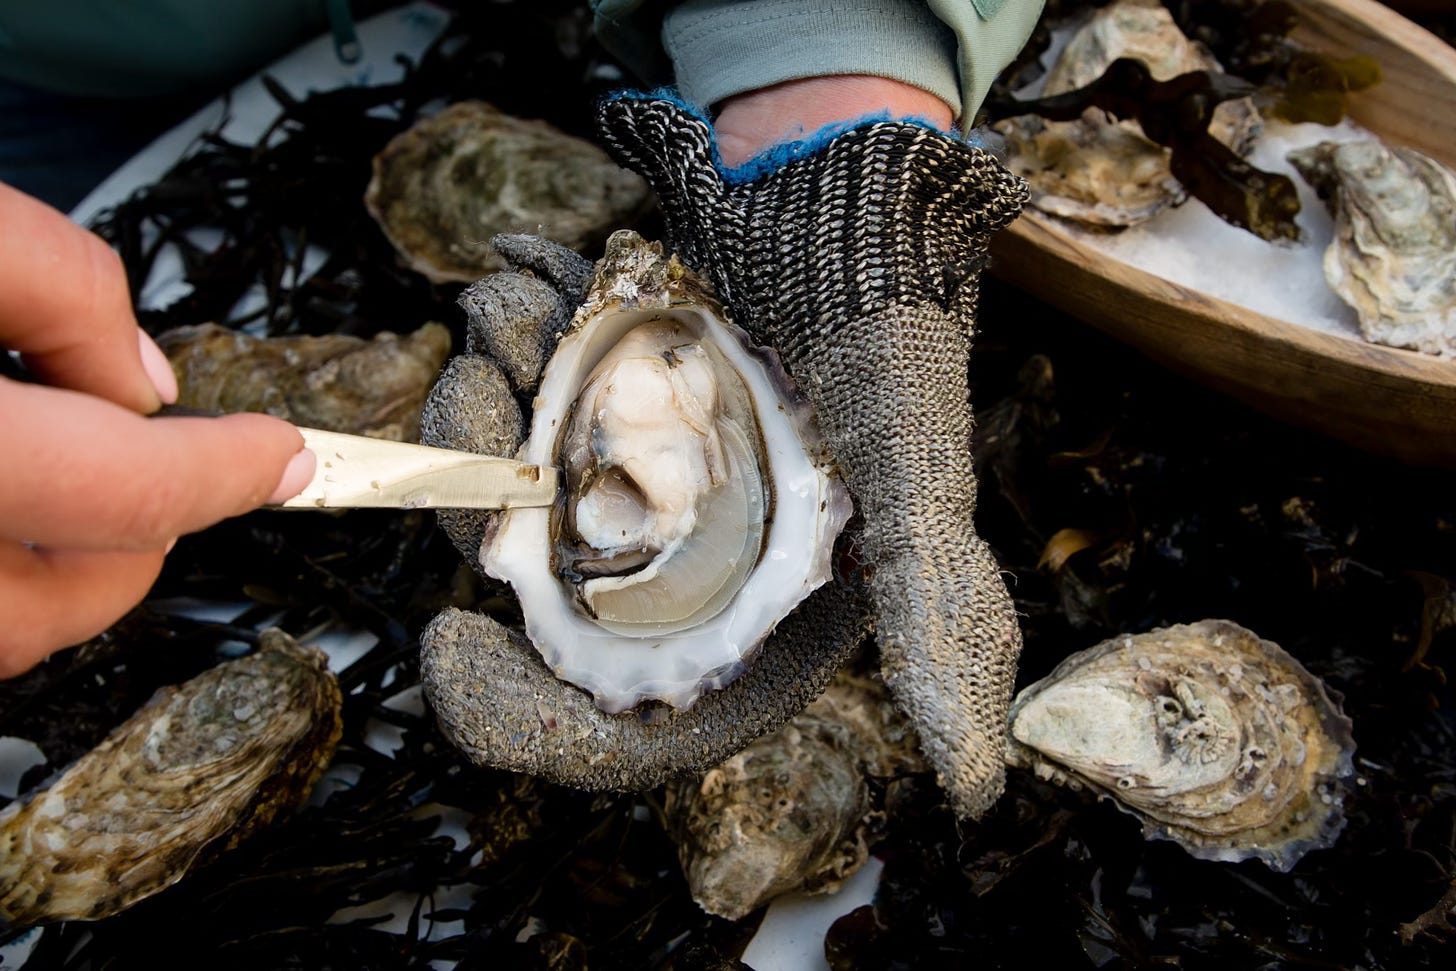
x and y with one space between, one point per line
1176 114
1249 39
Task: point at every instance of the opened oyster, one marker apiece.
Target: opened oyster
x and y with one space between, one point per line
1098 170
201 766
1393 257
699 507
442 189
339 382
1214 738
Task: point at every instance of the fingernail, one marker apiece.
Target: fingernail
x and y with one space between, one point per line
158 369
295 477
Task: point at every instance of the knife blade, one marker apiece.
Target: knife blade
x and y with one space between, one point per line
357 472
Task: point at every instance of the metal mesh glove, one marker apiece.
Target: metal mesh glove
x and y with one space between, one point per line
493 695
859 261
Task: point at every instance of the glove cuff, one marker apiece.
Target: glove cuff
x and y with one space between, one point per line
887 210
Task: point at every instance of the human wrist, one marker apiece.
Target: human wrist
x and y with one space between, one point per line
748 124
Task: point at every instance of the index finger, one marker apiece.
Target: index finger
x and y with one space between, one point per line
65 305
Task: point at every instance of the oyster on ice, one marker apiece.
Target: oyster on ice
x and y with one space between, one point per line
1393 257
1215 738
1102 171
699 504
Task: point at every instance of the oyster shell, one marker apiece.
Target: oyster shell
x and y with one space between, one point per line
699 509
443 188
1105 172
1393 257
200 767
337 382
794 810
1214 738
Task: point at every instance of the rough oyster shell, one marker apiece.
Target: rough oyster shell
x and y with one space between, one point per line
443 188
700 507
1104 172
1214 738
792 811
200 767
337 382
1393 257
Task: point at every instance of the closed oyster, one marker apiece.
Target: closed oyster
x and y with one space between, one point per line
201 766
793 811
1101 171
699 507
1216 739
443 188
1393 257
337 382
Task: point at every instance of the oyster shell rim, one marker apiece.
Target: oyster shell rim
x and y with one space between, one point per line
1327 777
634 283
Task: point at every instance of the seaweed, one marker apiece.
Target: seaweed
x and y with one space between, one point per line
1250 40
1176 114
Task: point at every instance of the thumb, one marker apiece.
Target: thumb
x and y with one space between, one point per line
89 475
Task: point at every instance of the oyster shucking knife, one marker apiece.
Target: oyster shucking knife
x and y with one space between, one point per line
355 472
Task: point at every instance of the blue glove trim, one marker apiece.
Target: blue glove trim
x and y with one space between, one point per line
777 156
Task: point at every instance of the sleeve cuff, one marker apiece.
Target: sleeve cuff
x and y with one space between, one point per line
720 48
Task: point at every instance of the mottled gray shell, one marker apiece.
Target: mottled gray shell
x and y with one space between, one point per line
1098 170
794 810
1215 738
1393 256
200 767
337 382
443 188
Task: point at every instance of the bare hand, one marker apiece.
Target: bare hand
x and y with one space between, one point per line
94 493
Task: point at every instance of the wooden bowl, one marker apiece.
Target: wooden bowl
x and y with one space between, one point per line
1396 402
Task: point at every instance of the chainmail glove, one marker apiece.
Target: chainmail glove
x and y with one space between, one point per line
493 695
858 259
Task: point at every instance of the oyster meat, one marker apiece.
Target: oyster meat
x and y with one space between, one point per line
699 504
200 767
1101 171
443 188
337 382
1393 256
1213 737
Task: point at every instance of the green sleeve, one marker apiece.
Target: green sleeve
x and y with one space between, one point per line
717 48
